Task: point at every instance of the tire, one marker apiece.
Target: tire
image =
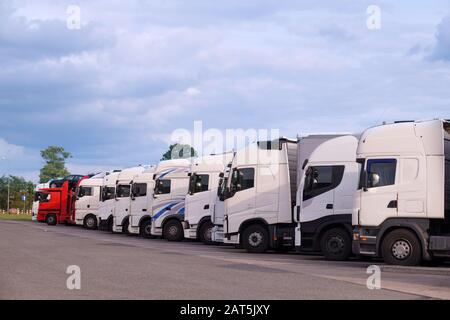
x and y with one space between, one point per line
204 233
50 219
401 247
255 239
173 230
336 244
90 222
145 229
110 224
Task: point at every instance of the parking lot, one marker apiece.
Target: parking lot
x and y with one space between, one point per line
35 257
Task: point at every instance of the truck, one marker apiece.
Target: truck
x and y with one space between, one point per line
37 197
260 199
88 201
329 178
402 205
219 206
121 213
107 201
57 203
171 187
200 201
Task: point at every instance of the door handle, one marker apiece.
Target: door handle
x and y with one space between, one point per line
329 206
206 207
392 204
145 210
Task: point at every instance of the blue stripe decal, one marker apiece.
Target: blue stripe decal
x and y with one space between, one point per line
164 209
166 173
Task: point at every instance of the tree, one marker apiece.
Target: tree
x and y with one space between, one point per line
179 151
18 187
55 160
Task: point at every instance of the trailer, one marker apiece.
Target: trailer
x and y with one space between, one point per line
402 206
201 198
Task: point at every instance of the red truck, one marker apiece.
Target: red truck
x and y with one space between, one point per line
57 203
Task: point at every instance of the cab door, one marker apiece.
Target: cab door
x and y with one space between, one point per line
379 195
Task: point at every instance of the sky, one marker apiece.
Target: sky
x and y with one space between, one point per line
112 86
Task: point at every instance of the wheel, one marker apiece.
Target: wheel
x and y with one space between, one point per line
205 232
90 222
110 225
146 229
401 247
51 219
125 225
336 244
255 239
173 230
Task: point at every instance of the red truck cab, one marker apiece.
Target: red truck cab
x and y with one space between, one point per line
57 203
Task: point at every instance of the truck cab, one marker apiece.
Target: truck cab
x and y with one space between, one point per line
401 208
36 200
219 206
201 198
121 214
107 200
171 187
329 178
87 203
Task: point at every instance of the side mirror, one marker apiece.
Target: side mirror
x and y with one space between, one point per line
364 181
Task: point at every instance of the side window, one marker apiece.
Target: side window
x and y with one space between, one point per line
162 187
84 192
198 183
381 172
321 179
44 197
139 190
243 179
123 191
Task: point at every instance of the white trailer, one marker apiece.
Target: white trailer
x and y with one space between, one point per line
122 204
88 201
37 194
329 178
201 198
402 207
171 187
107 200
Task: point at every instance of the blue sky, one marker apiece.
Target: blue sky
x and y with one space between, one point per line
112 91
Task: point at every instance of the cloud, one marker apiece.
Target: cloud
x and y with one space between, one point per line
441 50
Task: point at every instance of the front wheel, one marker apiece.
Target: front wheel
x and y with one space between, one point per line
146 229
205 233
90 222
51 219
256 239
173 231
125 227
401 247
336 244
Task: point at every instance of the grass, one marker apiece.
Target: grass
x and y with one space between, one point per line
18 217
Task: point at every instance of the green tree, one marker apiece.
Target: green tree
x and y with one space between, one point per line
179 151
18 187
55 163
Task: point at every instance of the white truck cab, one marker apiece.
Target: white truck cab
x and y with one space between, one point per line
107 200
121 213
329 178
37 194
402 207
201 198
87 203
219 206
171 187
142 189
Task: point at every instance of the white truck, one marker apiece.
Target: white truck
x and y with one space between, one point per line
261 193
329 178
219 206
87 203
402 208
107 201
201 198
122 205
37 195
171 187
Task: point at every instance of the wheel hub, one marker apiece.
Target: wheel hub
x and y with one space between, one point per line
401 249
90 222
255 239
173 230
336 244
147 229
207 234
